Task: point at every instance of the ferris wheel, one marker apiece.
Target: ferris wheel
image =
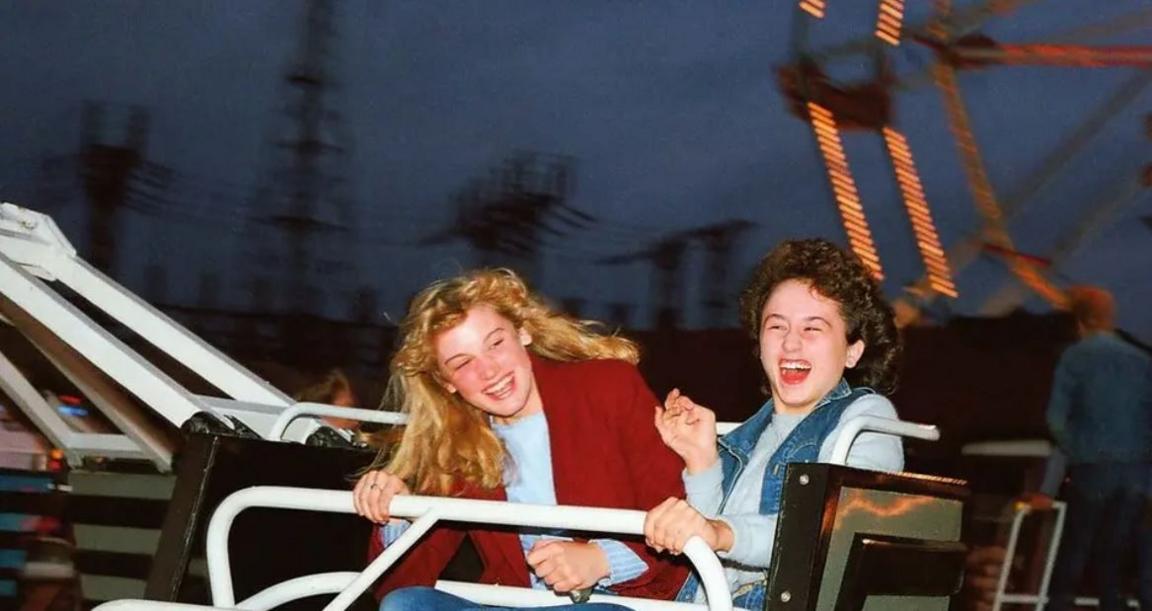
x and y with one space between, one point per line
956 44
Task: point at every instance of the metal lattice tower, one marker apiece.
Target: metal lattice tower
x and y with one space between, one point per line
115 173
303 197
505 216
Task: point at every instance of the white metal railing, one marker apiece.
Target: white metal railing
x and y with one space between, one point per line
381 416
425 512
854 426
322 409
1040 598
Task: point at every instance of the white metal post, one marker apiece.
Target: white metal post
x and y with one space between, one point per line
859 424
321 409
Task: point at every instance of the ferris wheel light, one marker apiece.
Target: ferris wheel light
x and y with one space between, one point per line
919 214
889 21
813 7
844 188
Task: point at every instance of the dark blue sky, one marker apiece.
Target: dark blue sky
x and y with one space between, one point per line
669 108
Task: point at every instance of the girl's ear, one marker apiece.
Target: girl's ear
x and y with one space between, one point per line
525 336
444 383
855 351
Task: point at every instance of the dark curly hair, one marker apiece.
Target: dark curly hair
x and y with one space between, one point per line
841 276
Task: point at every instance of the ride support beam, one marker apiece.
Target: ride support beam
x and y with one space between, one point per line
1074 56
995 230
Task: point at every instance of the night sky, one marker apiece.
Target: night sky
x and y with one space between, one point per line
670 110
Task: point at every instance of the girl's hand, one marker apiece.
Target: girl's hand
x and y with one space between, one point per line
373 494
568 565
688 429
670 524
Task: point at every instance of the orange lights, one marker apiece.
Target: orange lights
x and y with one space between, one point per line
813 7
844 188
927 240
861 502
889 21
1057 55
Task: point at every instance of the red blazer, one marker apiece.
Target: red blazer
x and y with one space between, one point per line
605 453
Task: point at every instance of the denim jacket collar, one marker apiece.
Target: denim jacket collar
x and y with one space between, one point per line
742 441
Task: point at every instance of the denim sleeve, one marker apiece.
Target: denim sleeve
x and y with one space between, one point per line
705 490
623 563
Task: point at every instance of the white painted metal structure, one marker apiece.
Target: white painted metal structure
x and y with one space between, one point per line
322 409
425 512
1039 598
855 426
34 254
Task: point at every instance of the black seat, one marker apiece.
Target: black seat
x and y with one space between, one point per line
850 539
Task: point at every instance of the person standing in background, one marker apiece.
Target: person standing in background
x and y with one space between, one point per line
1100 416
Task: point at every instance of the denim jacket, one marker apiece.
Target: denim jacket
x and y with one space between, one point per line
802 445
1100 409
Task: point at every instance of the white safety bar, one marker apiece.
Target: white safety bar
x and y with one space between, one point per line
1040 598
383 417
154 605
854 426
425 511
322 409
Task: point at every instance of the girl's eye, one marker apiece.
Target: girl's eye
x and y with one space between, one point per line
812 329
461 364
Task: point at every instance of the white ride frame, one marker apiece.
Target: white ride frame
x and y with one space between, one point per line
426 511
33 254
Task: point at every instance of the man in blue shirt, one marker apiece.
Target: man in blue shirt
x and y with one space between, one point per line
1100 415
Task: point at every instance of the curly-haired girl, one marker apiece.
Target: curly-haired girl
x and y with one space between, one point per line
827 342
508 399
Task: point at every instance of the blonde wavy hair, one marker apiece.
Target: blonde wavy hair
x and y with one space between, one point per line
447 441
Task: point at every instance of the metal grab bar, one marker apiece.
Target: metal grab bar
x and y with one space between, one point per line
280 426
426 511
854 426
375 415
1040 598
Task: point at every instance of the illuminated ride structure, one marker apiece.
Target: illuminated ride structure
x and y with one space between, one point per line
956 46
140 496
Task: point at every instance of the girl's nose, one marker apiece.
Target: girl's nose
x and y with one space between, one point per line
488 367
791 340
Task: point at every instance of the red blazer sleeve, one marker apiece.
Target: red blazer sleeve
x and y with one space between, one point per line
655 474
422 564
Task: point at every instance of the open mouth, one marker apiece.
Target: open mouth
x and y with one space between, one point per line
794 371
502 389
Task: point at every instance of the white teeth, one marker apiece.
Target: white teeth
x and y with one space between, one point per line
500 389
795 366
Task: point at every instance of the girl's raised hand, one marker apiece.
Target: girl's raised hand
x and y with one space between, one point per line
689 429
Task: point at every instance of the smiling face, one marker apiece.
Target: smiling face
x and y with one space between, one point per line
803 346
485 359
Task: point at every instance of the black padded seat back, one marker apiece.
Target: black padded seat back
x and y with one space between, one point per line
854 539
